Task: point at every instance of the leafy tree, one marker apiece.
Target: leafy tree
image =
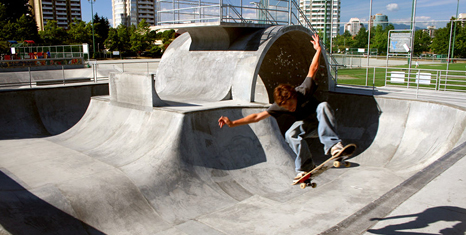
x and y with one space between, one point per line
460 42
360 40
441 40
118 39
101 29
380 38
80 32
112 40
14 26
52 34
422 41
140 36
440 43
341 42
9 31
14 9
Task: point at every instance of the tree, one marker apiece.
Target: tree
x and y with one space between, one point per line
380 38
140 36
80 32
422 41
460 42
360 40
15 9
17 23
118 39
341 42
52 34
440 42
101 29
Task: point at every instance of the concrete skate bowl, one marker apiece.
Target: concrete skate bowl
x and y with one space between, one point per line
29 113
238 63
170 171
124 169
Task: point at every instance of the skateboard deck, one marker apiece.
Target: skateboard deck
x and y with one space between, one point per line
336 161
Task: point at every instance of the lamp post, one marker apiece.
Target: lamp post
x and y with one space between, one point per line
369 42
92 22
413 32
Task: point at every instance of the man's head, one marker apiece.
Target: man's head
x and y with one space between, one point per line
285 96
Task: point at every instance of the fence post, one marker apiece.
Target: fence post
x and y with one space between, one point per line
94 71
63 72
30 77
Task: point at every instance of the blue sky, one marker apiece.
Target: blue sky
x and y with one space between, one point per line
428 12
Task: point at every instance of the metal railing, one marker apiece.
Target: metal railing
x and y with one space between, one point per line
92 72
406 78
273 12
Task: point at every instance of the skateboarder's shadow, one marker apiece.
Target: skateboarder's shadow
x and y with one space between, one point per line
424 219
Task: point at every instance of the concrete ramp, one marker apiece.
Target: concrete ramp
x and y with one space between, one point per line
43 112
218 63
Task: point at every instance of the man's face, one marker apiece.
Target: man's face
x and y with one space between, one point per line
290 105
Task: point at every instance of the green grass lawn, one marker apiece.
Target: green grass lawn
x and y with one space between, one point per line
456 79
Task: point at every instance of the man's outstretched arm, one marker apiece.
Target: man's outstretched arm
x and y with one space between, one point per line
315 61
255 117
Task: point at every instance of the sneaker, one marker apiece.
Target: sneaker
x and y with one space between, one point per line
336 149
299 176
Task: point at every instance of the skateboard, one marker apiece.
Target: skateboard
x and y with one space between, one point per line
336 161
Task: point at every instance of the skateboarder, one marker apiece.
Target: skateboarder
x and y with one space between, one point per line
300 104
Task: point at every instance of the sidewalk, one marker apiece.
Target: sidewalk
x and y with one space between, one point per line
438 208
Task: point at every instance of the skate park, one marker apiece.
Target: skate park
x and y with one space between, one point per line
148 157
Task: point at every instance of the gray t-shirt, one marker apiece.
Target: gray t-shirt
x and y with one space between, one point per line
305 108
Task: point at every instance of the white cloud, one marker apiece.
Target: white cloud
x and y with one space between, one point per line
393 7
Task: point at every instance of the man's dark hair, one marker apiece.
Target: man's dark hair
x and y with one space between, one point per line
284 92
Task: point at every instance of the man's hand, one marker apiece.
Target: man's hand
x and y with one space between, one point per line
315 61
315 42
251 118
224 120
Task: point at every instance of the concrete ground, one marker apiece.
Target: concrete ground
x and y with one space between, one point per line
171 170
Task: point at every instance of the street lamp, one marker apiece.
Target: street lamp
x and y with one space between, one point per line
92 21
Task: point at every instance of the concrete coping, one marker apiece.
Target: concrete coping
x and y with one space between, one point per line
134 90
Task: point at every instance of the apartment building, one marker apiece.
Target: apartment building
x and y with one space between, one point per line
128 12
62 11
324 15
353 26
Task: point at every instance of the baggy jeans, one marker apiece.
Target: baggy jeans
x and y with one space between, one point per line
297 134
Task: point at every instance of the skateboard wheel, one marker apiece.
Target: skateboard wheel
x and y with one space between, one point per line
347 164
303 185
313 185
337 164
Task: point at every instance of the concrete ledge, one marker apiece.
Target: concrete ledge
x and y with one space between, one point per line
130 89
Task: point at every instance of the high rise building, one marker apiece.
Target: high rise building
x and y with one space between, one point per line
128 12
62 11
431 31
324 15
353 26
379 19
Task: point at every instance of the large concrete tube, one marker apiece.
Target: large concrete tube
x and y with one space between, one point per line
236 63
